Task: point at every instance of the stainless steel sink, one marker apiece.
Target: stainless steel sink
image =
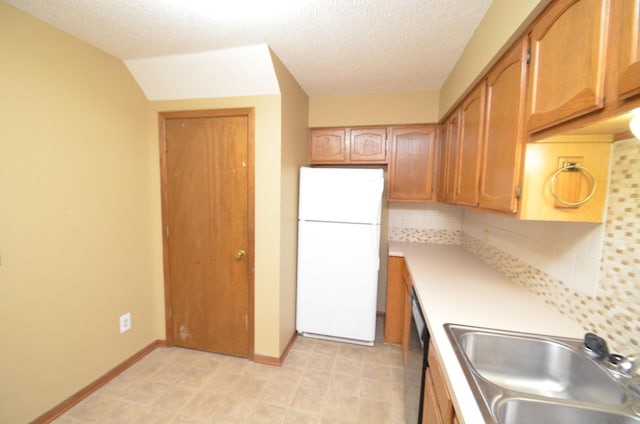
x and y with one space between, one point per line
522 411
518 378
539 366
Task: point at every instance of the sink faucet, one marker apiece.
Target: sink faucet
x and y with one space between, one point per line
596 348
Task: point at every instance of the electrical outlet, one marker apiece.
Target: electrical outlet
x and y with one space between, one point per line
125 322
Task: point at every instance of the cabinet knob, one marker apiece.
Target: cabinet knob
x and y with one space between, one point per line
240 253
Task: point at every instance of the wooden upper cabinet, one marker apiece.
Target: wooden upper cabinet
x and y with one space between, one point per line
470 145
567 70
450 161
627 31
329 146
441 162
504 130
369 145
411 163
349 146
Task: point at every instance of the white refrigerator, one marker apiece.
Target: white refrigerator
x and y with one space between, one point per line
338 253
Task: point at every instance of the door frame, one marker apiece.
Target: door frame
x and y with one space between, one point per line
210 113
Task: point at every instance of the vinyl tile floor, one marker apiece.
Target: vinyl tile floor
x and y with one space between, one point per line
320 382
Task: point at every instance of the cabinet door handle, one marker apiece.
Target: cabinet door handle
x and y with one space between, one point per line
240 253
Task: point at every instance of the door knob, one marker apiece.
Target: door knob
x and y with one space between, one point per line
240 253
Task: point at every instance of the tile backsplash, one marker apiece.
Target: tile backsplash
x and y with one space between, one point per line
569 252
589 272
424 222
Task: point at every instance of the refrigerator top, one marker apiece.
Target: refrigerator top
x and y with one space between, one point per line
341 195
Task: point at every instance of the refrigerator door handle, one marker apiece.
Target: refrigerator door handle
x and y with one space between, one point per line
378 190
374 242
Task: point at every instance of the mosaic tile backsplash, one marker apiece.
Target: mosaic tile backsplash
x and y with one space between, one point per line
425 235
612 308
424 223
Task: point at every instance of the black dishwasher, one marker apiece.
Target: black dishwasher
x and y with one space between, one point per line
417 364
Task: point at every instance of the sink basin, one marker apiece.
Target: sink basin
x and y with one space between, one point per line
531 378
539 366
521 411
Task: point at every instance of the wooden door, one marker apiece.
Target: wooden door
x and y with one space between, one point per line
470 147
504 131
568 52
411 163
627 27
208 216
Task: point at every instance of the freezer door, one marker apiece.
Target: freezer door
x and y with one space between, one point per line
338 279
341 194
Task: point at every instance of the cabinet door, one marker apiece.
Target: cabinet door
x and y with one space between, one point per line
451 160
411 163
441 161
369 145
442 397
430 412
328 146
568 51
504 131
396 299
471 135
628 21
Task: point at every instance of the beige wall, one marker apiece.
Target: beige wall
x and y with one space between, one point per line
374 109
267 204
503 19
75 238
294 154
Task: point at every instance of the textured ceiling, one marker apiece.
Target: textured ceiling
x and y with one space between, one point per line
332 47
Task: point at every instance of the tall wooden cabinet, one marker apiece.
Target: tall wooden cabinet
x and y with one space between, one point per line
472 113
504 135
568 55
411 162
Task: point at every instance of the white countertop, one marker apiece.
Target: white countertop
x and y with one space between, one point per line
455 286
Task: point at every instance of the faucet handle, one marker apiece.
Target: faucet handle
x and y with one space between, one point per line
595 346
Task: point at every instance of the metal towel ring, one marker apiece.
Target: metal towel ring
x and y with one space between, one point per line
573 167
